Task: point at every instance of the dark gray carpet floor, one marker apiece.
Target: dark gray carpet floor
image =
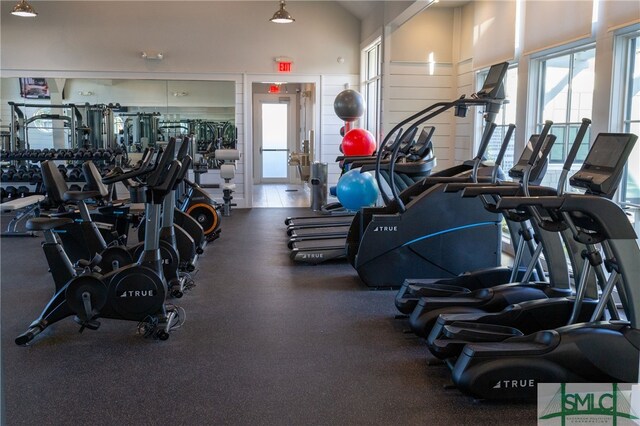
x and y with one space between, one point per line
266 342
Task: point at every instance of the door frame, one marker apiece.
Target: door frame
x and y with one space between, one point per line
292 112
247 85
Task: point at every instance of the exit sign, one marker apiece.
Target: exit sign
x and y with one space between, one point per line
284 66
274 88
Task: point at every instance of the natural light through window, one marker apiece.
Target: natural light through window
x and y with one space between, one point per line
565 97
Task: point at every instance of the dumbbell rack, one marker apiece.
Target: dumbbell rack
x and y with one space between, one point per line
22 176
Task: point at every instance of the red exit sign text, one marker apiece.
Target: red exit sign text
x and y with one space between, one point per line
284 66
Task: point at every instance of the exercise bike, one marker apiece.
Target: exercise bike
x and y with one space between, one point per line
134 292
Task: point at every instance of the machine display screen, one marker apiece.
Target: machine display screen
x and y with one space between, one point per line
526 154
494 78
607 150
424 135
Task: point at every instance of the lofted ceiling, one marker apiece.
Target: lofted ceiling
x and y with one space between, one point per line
358 8
361 8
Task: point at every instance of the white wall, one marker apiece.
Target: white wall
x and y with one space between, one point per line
428 32
411 89
411 83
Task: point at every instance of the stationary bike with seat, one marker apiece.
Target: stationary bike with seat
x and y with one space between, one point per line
134 292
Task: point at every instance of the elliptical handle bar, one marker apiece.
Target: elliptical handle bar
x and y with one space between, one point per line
533 160
407 137
573 152
385 197
540 143
482 149
485 140
502 152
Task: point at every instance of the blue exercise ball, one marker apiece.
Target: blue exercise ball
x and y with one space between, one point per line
356 190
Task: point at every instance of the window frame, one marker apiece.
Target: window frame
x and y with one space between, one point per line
367 81
626 45
567 124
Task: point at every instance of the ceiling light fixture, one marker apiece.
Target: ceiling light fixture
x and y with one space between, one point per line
24 9
282 16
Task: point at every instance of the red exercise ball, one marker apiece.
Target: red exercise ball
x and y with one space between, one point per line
358 142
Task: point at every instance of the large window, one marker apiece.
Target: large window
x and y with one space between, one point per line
630 189
372 56
566 97
506 116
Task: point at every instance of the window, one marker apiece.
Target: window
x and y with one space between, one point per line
506 116
372 89
630 189
566 97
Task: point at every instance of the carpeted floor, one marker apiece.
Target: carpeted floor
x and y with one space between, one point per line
266 342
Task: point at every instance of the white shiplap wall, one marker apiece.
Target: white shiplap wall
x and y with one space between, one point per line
464 136
411 88
330 138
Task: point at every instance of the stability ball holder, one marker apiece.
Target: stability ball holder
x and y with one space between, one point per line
356 190
349 105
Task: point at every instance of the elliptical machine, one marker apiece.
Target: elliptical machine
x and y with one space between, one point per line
135 292
452 331
594 351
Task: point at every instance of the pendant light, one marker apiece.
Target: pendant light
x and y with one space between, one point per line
24 9
282 16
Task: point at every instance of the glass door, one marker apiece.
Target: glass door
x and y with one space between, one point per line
274 149
274 135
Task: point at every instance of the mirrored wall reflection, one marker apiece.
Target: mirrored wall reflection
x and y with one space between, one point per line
113 113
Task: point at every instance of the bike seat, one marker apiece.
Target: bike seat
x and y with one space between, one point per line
46 223
80 195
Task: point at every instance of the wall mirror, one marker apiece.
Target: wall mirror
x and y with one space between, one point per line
78 113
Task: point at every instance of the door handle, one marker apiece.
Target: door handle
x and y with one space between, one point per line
273 150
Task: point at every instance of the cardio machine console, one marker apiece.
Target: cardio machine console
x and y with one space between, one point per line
603 168
540 166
